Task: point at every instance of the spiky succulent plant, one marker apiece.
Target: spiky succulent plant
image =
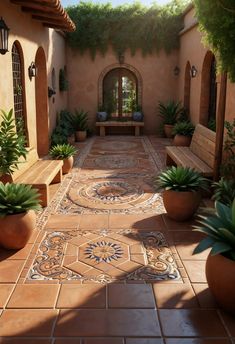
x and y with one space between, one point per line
62 151
220 231
184 128
17 198
224 191
181 179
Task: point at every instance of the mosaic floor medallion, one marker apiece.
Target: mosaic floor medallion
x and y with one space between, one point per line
103 256
115 161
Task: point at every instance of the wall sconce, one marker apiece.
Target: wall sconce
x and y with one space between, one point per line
51 92
121 58
176 71
193 72
4 33
32 70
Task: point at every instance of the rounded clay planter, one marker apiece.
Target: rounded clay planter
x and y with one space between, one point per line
168 130
68 164
6 178
181 140
220 274
181 206
17 229
80 135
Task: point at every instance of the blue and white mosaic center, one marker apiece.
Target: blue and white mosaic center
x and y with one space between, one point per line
103 251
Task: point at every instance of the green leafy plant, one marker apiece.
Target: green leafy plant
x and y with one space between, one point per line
224 191
12 144
63 82
183 128
64 128
80 120
17 198
181 179
220 231
228 166
63 151
170 111
212 124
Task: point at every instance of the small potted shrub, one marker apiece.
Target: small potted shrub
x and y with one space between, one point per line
183 132
12 146
17 216
137 113
64 152
219 229
181 195
169 112
80 125
102 114
224 191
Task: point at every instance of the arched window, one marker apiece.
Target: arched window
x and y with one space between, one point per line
120 92
19 89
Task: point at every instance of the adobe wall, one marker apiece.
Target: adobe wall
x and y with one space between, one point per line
156 71
31 35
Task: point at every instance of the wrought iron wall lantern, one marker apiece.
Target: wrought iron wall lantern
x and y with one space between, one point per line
4 33
51 92
176 71
32 70
193 72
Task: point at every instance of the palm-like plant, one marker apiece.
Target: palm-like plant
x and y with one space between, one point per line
224 191
17 198
181 179
220 231
183 128
79 120
62 151
170 111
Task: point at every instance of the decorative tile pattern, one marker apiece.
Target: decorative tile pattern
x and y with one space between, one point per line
105 256
115 161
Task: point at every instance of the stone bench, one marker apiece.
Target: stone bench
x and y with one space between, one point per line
104 125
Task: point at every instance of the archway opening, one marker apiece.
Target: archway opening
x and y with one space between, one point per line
42 120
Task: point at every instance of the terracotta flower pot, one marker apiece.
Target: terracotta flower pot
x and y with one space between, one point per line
68 164
6 178
181 140
80 135
17 229
181 206
168 130
220 274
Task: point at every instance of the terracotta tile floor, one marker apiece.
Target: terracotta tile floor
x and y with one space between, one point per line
84 276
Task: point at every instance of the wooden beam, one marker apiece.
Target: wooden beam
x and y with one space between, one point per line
50 13
49 20
220 126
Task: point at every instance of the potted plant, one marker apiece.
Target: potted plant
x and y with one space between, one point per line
64 152
79 122
17 216
224 191
137 113
169 112
102 114
181 195
219 229
183 132
12 146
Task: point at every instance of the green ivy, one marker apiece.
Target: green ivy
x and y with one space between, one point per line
131 26
217 21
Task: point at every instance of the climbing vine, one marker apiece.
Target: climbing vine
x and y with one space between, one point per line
217 21
131 26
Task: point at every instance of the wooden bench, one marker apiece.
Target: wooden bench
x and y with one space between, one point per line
104 125
199 156
39 173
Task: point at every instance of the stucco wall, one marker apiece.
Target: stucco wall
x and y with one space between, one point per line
158 81
31 35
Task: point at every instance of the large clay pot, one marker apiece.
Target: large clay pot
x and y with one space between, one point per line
68 164
181 206
80 135
220 274
168 130
181 140
17 229
6 178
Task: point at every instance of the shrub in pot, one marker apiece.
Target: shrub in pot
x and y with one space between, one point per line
169 112
219 228
64 152
181 195
183 132
224 191
17 216
137 114
12 145
102 114
79 121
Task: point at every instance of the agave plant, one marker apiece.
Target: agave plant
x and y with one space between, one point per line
62 151
220 230
79 120
181 179
170 111
184 128
224 191
17 198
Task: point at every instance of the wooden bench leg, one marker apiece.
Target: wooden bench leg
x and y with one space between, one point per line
44 196
102 131
137 131
58 177
170 161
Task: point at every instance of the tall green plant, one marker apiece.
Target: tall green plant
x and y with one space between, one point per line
12 144
170 111
79 120
228 166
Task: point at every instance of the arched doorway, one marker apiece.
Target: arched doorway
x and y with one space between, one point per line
187 87
208 90
42 120
120 92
